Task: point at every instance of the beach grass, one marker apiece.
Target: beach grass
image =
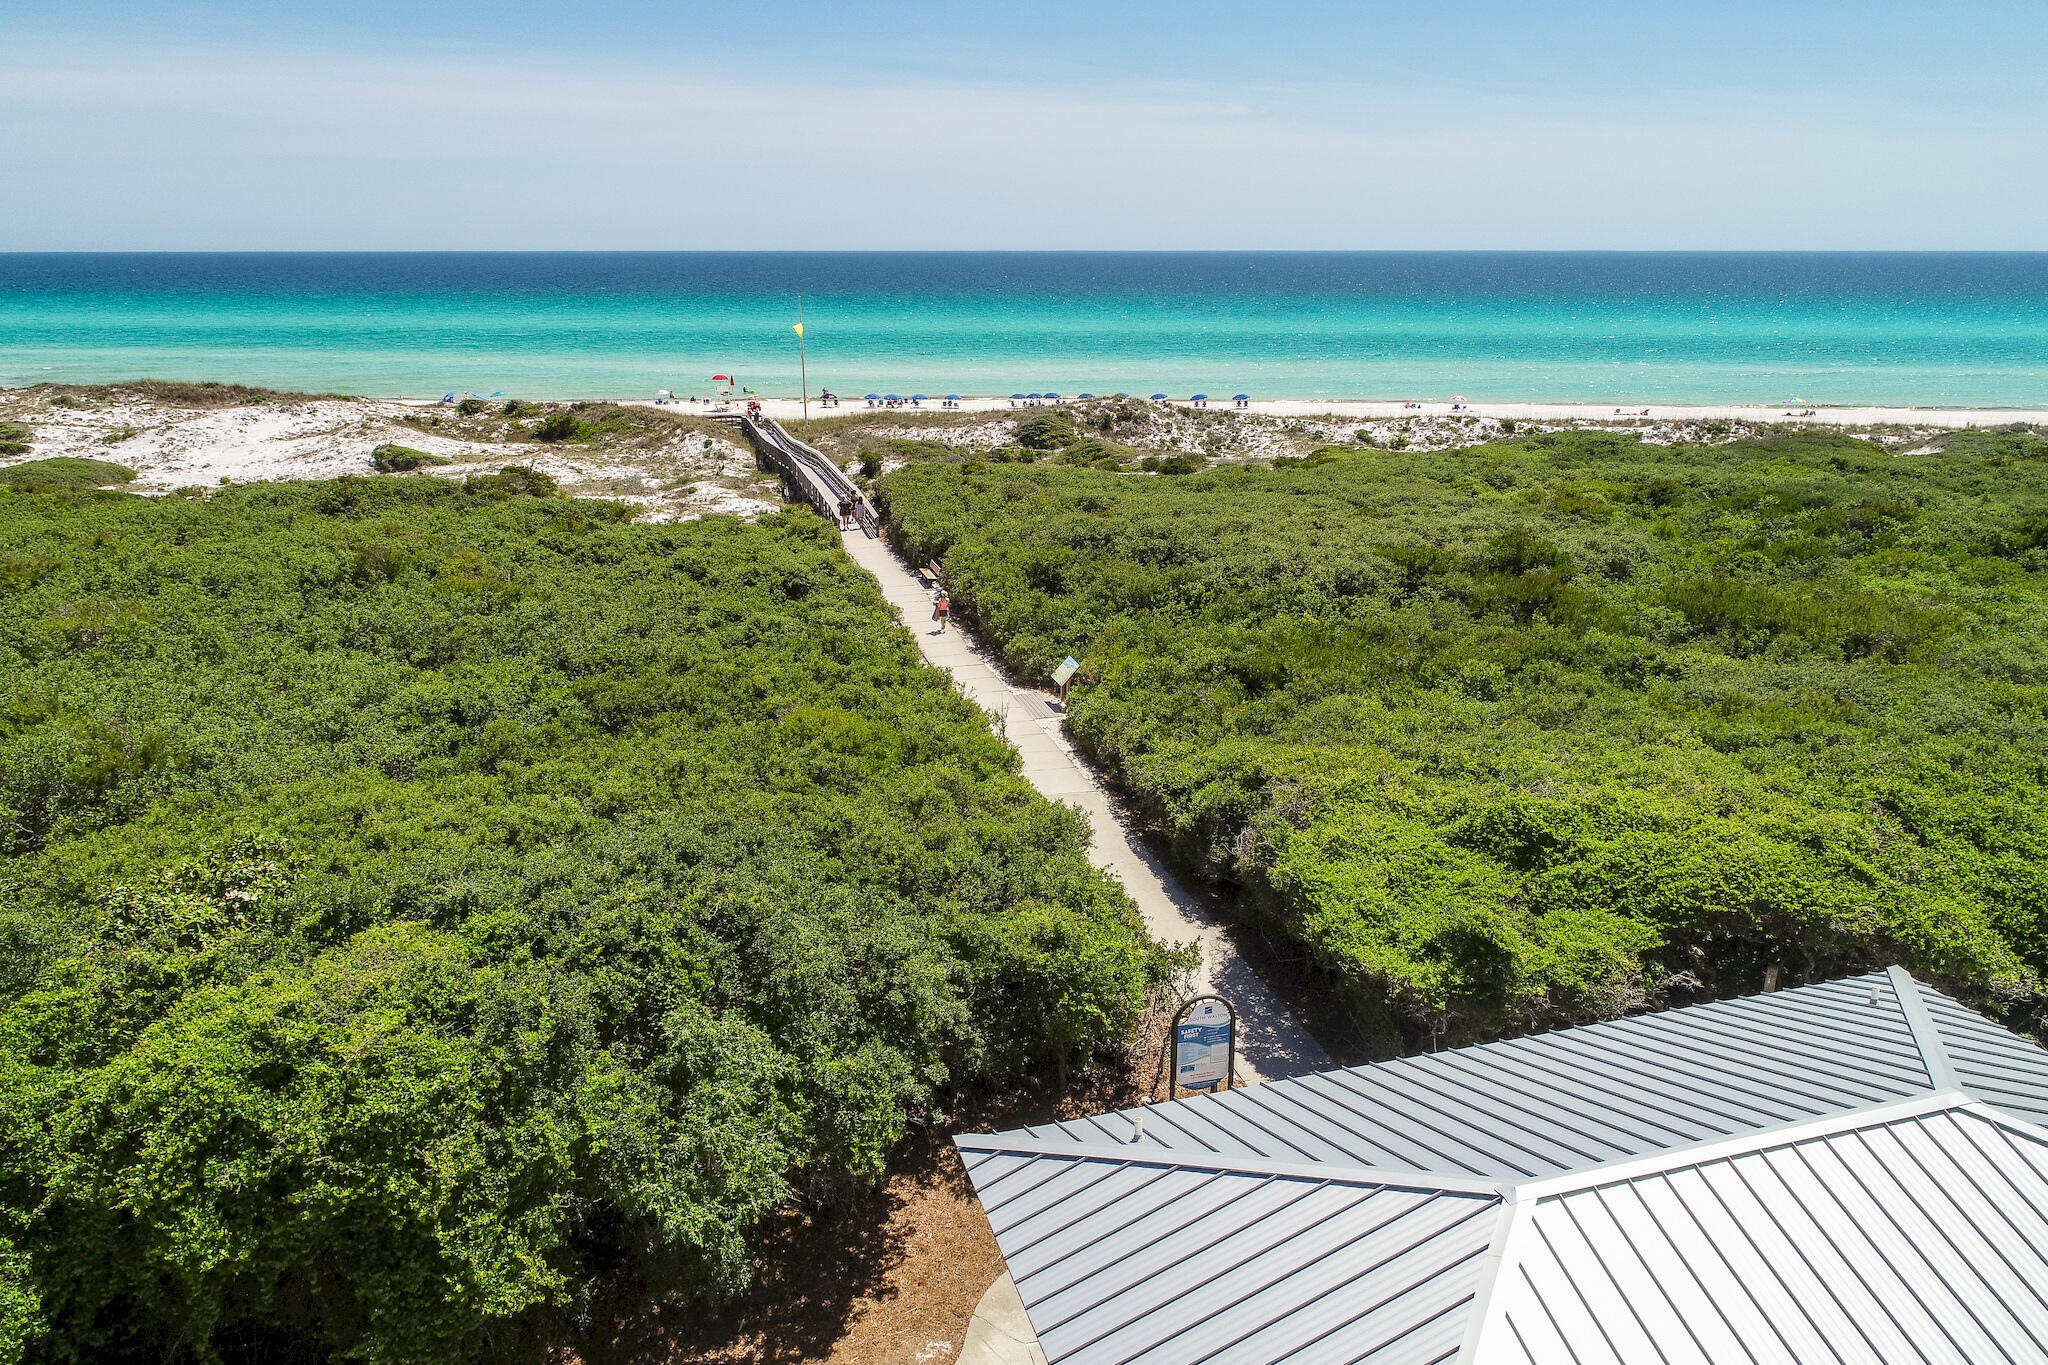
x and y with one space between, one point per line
607 425
177 393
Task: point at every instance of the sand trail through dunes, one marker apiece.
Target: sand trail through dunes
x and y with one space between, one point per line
693 470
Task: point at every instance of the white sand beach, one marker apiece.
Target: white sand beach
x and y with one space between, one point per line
705 467
704 470
1361 409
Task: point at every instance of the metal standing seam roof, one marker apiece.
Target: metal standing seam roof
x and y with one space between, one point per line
1843 1172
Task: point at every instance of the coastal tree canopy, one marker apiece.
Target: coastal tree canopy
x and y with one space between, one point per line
426 904
1549 729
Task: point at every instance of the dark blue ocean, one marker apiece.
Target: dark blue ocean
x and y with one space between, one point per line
1962 330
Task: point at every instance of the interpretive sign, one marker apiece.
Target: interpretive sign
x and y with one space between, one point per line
1069 666
1204 1043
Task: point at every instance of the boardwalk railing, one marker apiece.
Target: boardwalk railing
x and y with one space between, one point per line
807 476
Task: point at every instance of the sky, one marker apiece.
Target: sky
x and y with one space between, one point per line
381 125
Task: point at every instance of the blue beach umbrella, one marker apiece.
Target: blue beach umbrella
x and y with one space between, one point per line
1199 398
1159 398
1034 395
1087 395
874 398
952 398
919 398
893 397
1242 398
1053 396
1017 397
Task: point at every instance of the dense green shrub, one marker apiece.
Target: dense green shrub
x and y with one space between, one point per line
1097 453
471 406
65 471
559 426
421 905
14 438
1046 431
2016 441
397 459
514 481
1548 729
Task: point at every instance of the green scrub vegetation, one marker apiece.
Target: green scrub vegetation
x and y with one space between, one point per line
423 906
64 471
1552 729
614 426
204 395
391 458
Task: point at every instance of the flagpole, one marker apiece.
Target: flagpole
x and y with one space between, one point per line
802 368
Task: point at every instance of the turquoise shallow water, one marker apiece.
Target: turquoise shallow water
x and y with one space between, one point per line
1957 330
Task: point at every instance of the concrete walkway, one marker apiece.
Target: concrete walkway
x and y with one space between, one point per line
1271 1042
999 1333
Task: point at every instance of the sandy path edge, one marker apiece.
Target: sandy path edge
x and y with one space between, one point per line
1272 1042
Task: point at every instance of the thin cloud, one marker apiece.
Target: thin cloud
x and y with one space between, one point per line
239 147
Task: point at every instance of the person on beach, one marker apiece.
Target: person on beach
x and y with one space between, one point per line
942 607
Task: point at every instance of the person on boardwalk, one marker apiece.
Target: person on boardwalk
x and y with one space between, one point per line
942 607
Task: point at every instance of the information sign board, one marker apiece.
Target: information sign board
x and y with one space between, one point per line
1201 1045
1069 666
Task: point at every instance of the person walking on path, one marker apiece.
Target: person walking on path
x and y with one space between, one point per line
942 606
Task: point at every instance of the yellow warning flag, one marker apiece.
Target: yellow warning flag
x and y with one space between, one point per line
798 329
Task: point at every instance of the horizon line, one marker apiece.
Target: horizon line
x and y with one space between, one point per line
1031 251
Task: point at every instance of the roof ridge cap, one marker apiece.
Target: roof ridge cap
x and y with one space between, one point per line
1941 1072
1741 1144
1989 1112
1152 1154
1503 1255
